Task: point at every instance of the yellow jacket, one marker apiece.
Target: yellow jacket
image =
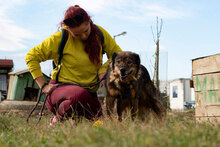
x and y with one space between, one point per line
76 65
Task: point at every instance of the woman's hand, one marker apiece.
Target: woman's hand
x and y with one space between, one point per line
102 83
47 89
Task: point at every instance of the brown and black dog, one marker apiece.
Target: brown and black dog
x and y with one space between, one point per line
128 82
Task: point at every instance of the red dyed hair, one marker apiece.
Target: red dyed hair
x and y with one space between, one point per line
75 16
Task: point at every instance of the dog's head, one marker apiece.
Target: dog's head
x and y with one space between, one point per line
125 65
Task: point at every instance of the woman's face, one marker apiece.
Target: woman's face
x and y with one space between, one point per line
81 32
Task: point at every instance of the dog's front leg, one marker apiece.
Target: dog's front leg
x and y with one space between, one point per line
110 101
119 109
134 108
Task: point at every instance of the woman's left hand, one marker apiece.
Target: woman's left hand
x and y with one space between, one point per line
102 83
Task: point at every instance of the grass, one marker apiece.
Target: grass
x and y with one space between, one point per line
178 129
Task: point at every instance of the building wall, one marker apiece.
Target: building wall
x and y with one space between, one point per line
10 86
3 82
4 78
21 84
206 81
187 91
11 96
176 101
192 94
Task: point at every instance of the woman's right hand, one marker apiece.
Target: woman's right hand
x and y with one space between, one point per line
47 89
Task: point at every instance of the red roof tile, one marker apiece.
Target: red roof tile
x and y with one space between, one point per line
6 63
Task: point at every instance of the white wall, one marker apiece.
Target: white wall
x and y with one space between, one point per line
192 94
177 103
187 90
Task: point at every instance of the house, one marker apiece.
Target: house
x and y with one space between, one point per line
181 95
22 86
5 67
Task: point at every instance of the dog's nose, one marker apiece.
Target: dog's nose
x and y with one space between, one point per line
122 70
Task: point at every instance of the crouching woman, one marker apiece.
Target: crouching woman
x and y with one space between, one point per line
80 64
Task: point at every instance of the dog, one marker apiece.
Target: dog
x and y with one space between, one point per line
128 82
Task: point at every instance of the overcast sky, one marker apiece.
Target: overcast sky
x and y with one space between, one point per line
191 29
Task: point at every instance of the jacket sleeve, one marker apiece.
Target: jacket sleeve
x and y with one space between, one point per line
110 47
47 50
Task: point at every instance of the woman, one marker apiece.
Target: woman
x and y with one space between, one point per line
81 65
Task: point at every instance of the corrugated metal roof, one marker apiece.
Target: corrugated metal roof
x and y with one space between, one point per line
5 63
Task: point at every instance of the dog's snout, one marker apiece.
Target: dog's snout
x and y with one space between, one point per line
122 70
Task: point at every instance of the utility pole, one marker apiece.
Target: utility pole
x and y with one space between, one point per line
156 69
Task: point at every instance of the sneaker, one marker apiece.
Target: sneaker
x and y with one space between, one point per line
53 120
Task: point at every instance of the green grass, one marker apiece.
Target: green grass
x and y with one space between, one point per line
178 129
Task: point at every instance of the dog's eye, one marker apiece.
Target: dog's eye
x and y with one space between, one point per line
118 61
129 62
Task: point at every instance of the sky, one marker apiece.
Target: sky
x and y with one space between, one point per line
190 29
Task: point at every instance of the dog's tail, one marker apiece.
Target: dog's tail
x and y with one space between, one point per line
155 101
158 108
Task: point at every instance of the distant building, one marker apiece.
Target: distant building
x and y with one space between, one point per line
22 86
5 67
181 95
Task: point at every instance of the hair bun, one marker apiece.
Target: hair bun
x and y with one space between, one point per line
76 6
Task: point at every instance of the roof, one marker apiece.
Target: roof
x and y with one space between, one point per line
5 63
179 79
18 72
204 57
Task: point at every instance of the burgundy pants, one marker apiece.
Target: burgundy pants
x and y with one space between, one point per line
73 101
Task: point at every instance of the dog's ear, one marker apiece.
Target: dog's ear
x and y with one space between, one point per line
113 60
114 56
137 59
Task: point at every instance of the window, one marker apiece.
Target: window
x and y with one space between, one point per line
175 92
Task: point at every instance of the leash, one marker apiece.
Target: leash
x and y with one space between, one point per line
60 84
38 100
90 85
